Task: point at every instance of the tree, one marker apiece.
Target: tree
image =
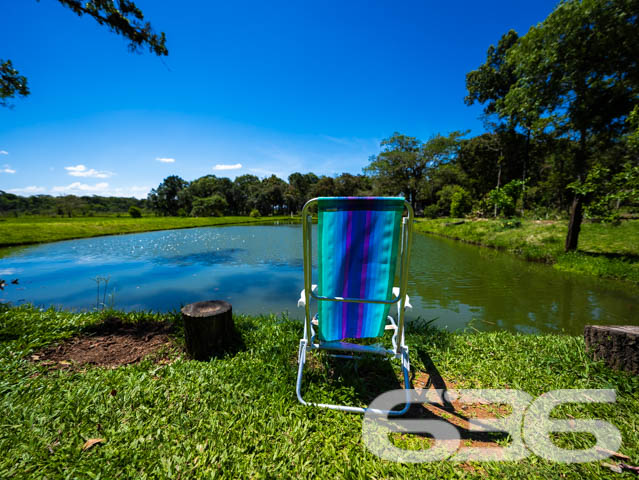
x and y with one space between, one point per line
121 16
271 195
578 75
447 174
215 205
324 187
166 199
301 186
404 162
11 83
492 80
244 193
607 189
489 85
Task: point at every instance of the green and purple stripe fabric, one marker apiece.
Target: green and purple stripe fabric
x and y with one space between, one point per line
358 239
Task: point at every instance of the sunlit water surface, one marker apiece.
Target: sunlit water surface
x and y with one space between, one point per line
258 269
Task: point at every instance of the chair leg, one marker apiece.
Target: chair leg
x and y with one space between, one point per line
301 361
345 408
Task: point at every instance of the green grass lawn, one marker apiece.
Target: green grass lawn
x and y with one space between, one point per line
605 251
28 230
238 417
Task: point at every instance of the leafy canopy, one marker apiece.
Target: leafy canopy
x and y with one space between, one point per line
121 16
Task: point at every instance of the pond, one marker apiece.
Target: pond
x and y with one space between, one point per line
258 269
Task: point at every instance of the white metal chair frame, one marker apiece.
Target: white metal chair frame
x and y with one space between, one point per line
309 341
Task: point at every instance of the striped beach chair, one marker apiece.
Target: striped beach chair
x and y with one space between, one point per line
360 243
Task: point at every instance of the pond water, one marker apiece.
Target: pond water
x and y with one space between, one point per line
258 269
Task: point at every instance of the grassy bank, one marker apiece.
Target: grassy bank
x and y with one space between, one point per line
28 230
237 416
605 251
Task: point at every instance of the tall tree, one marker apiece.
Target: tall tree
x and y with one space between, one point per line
402 165
167 198
579 69
120 16
493 79
489 85
244 193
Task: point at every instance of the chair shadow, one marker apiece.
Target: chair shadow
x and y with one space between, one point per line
371 376
440 408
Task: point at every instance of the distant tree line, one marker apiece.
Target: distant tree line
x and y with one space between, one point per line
247 194
65 206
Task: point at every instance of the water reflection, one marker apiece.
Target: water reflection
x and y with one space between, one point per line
259 269
460 283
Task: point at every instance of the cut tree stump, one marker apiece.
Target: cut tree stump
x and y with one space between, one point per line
617 345
208 328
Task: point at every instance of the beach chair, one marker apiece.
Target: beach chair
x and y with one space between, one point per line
360 241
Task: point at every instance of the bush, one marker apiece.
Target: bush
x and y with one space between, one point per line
255 213
445 197
431 211
461 203
135 212
504 199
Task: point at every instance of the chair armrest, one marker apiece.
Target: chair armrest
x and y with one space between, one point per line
406 304
302 301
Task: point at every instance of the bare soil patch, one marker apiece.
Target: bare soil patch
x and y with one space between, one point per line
109 344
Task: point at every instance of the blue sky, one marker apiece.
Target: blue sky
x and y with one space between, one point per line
248 87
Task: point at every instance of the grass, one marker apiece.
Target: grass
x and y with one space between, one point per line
29 230
605 251
237 416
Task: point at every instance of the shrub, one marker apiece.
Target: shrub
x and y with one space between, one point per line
431 211
255 213
461 203
135 212
445 197
504 199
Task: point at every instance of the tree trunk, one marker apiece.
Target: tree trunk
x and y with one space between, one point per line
618 346
208 328
574 226
576 210
523 178
498 185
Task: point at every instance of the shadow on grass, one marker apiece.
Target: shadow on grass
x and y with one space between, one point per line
626 257
369 377
453 413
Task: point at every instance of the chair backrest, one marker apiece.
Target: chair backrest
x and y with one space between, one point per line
358 245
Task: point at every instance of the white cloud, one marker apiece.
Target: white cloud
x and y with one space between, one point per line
7 169
31 190
4 152
237 166
82 171
83 188
165 160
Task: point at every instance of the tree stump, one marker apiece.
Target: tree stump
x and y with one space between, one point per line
208 328
618 346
